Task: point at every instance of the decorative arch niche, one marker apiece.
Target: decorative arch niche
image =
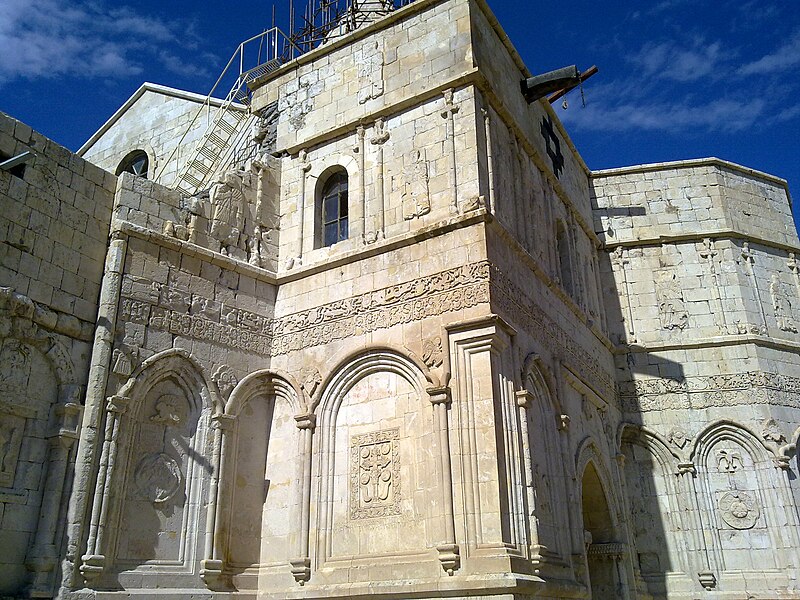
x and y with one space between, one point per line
659 502
262 482
376 471
154 473
545 456
743 499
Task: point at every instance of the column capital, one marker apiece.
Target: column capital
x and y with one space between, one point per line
439 395
306 421
223 422
117 404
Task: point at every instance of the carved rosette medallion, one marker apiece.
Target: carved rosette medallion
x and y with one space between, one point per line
739 510
158 477
375 474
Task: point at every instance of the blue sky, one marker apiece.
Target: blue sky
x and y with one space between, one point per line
678 78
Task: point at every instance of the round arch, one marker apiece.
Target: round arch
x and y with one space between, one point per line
279 383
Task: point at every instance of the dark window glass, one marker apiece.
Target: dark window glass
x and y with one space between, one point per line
334 209
136 162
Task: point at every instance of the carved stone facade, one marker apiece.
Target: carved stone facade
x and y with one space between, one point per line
510 377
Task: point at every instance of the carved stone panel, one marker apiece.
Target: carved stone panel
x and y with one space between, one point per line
369 60
375 489
671 306
416 200
738 509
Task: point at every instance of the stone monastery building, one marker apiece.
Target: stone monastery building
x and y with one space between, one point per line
370 328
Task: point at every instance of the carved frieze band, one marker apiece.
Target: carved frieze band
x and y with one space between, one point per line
451 290
186 314
516 303
753 387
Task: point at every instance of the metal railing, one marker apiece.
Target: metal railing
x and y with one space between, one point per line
253 58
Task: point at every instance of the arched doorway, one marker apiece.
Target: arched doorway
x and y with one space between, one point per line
603 551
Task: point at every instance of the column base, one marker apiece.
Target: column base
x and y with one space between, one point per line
449 557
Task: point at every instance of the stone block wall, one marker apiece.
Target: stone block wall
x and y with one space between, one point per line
154 120
703 295
53 237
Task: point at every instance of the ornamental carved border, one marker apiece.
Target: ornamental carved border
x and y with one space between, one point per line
516 302
183 313
731 389
375 487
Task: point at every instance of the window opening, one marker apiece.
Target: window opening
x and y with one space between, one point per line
334 209
136 162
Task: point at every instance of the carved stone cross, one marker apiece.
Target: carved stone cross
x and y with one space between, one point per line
553 145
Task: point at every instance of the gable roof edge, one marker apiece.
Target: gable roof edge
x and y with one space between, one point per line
158 89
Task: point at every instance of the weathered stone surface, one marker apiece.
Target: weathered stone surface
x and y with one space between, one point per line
416 349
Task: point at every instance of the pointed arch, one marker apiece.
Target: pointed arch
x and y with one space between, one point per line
182 366
647 438
732 431
587 452
535 372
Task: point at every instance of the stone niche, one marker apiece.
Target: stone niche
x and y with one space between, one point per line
159 476
262 529
379 485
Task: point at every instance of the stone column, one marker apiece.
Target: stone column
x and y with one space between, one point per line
487 126
448 550
212 566
78 513
379 138
358 220
94 561
43 557
705 574
305 167
451 109
301 566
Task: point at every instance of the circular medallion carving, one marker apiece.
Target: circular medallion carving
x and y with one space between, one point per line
739 510
158 477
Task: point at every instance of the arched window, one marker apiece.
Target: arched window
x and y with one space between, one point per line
333 210
136 162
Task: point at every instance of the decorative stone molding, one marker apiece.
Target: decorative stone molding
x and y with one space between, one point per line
771 432
310 379
517 304
211 572
678 437
449 557
432 352
225 379
301 569
732 389
707 579
451 290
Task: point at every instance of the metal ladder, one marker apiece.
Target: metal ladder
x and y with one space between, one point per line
230 122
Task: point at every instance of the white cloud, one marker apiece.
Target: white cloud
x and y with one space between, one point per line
678 62
714 116
784 58
85 38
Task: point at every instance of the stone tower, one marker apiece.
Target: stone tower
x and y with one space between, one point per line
406 344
